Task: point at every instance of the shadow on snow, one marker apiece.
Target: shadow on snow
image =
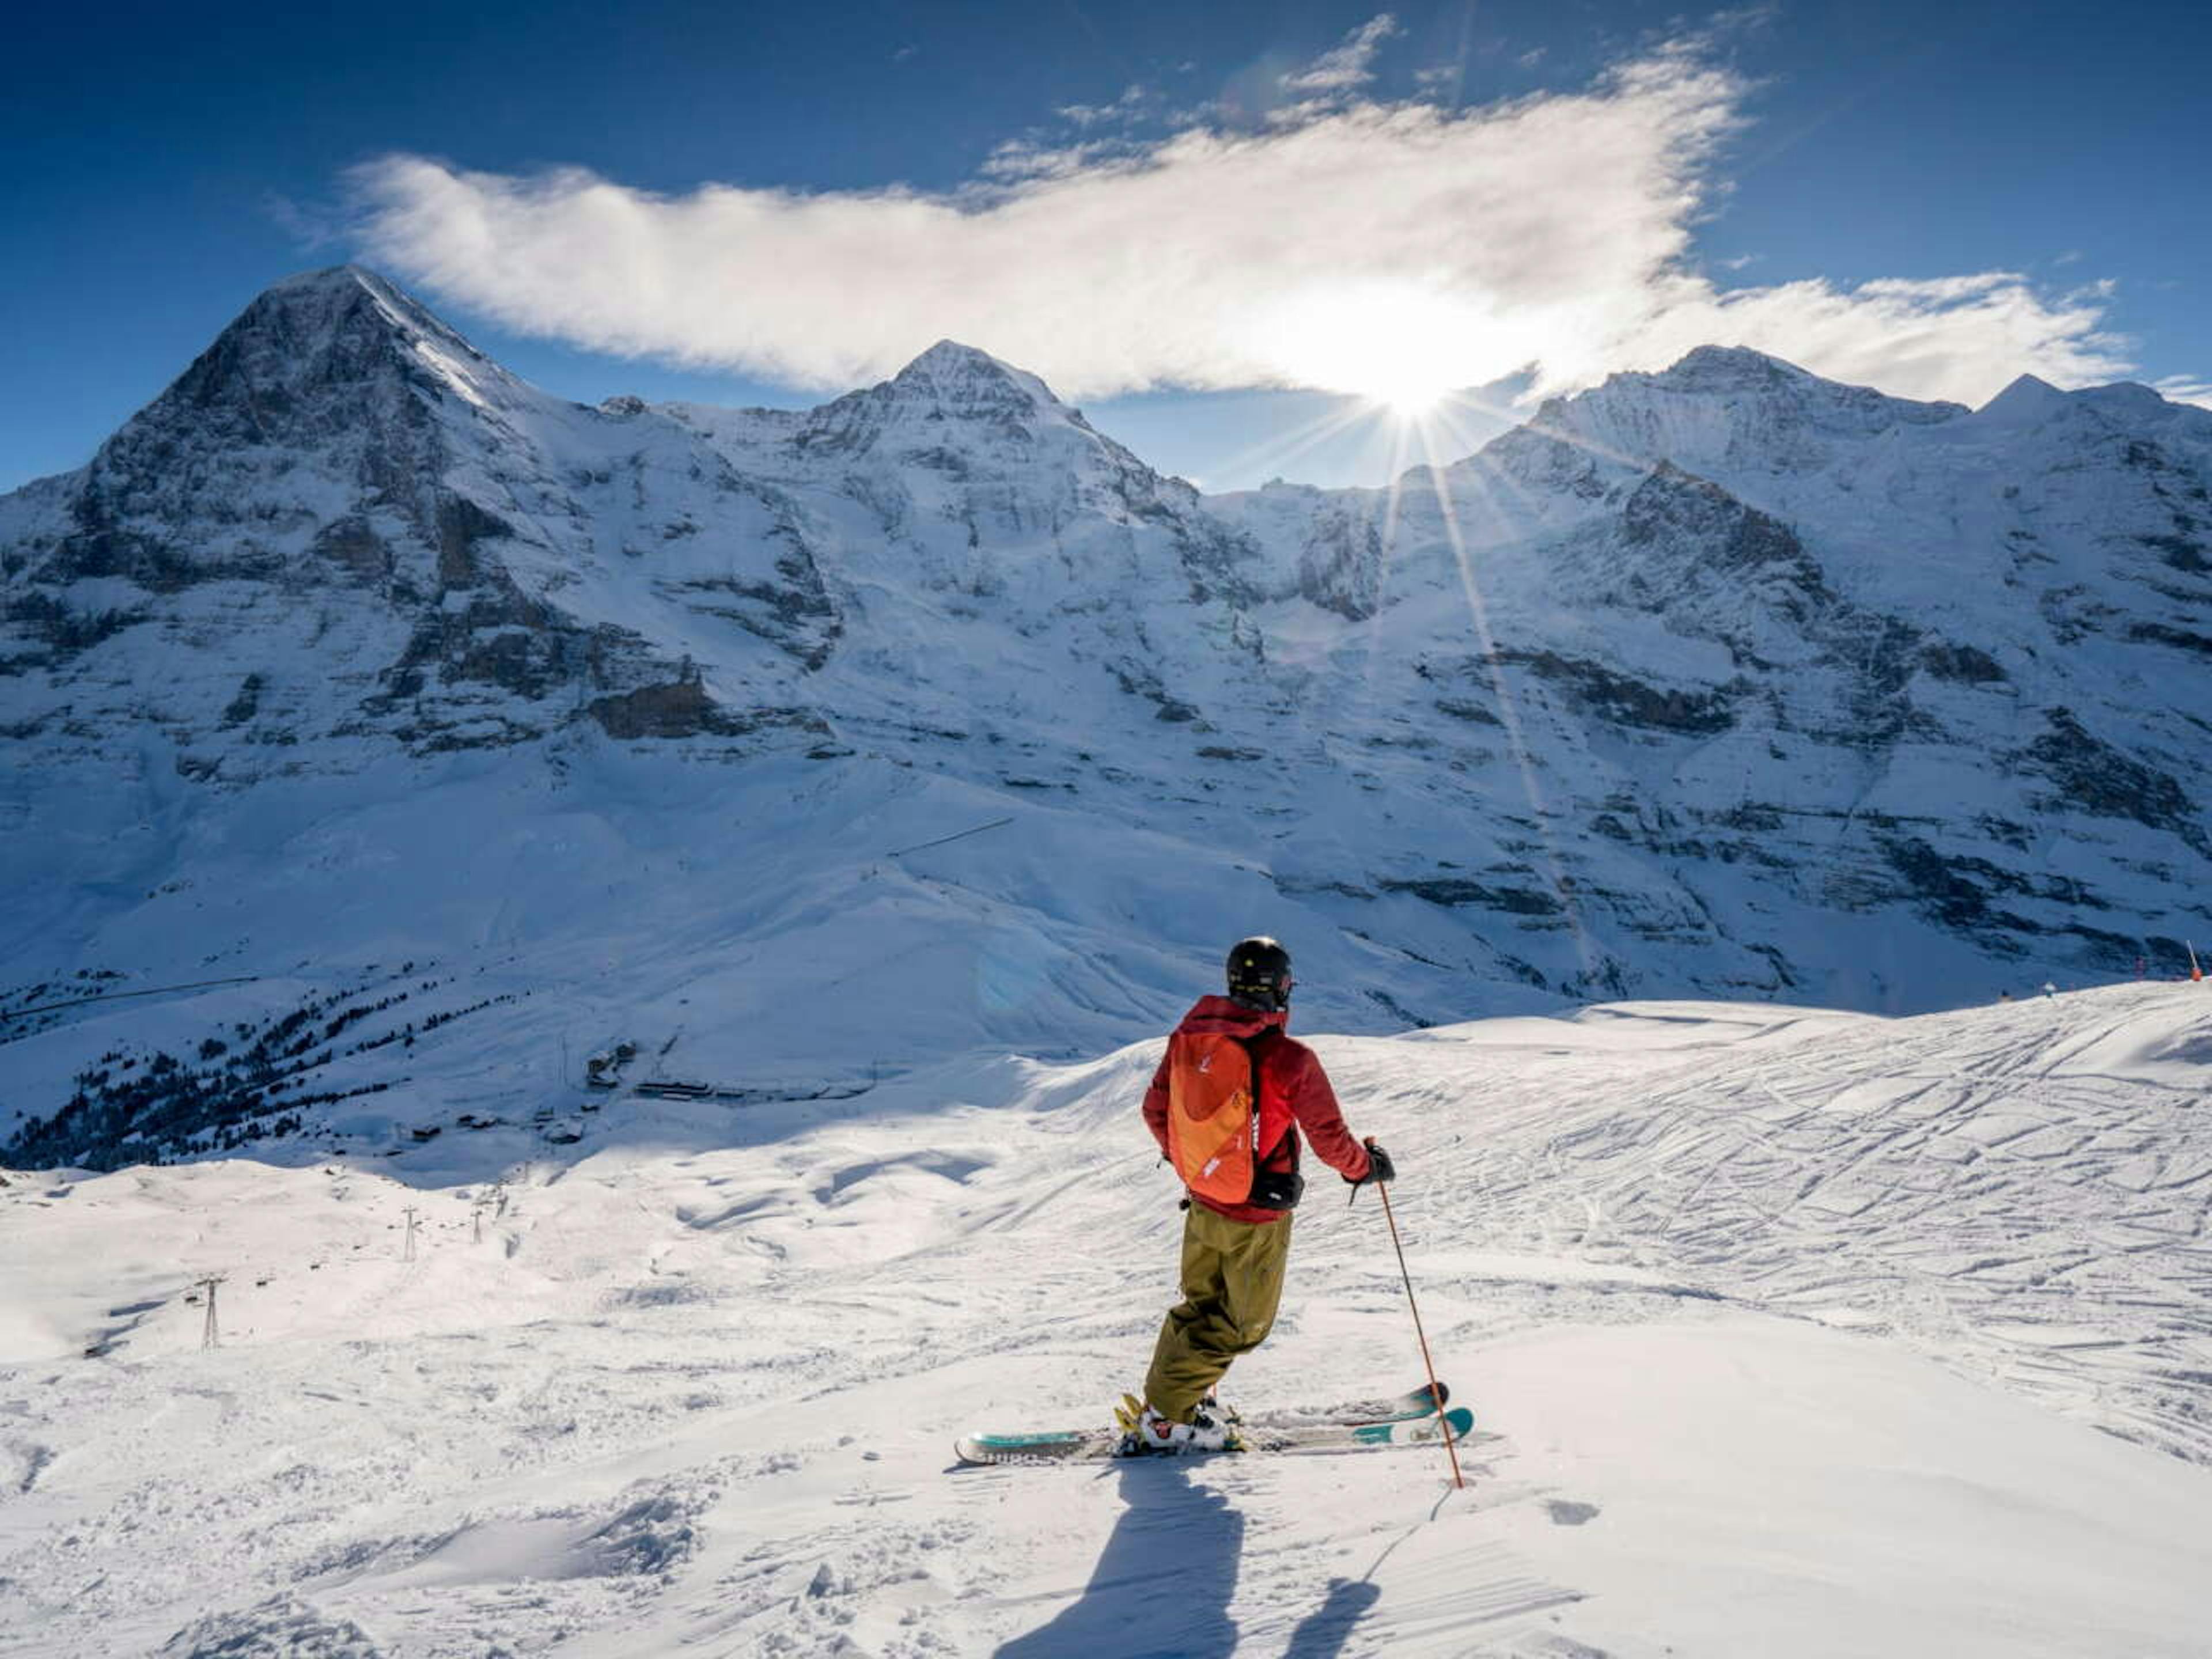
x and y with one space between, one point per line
1163 1584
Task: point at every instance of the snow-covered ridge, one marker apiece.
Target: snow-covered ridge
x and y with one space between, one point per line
936 702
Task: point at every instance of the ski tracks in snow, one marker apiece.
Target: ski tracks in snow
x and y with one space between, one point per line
700 1400
1965 1182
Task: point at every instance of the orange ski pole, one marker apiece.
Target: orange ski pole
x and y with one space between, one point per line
1436 1394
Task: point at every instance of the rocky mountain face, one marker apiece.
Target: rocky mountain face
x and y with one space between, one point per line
1726 679
372 508
1800 650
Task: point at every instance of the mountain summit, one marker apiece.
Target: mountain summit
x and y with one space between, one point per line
312 348
1723 407
952 394
961 375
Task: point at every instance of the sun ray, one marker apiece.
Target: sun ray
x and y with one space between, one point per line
1280 449
1486 475
1447 415
1508 713
1400 440
1582 441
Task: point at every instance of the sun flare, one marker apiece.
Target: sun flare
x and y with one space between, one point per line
1402 350
1408 400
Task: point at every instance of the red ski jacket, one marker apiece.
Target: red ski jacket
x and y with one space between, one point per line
1293 1088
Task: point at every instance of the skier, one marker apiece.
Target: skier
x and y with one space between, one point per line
1236 1236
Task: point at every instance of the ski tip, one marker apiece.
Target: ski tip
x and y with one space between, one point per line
981 1450
978 1449
1458 1424
1053 1446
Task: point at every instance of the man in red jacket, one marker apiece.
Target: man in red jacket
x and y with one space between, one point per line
1235 1249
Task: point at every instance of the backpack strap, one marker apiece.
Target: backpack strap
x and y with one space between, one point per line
1252 1049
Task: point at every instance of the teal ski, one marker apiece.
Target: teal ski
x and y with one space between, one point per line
1089 1445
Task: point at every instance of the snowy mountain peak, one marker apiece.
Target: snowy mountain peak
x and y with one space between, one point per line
307 360
2126 409
2025 401
2026 388
1729 368
1739 371
321 316
957 379
343 281
1724 408
356 291
954 397
956 361
336 363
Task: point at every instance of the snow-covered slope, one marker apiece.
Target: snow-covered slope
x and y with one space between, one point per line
1787 1331
796 749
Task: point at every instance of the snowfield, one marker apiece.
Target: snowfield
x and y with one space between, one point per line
1786 1332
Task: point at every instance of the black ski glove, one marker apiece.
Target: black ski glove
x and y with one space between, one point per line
1379 1167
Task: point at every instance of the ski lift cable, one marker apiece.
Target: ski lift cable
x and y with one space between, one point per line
957 835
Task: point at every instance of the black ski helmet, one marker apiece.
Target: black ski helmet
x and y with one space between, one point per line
1260 973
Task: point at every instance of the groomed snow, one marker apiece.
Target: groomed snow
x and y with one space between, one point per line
1787 1333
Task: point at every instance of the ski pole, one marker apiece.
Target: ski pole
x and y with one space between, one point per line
1451 1445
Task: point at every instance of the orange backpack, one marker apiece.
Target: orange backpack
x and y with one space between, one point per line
1213 1114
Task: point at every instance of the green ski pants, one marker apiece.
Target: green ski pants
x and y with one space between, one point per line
1232 1281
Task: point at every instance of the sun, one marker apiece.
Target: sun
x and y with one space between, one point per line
1400 349
1409 399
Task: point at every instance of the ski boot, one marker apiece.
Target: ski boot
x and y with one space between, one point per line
1131 1409
1144 1430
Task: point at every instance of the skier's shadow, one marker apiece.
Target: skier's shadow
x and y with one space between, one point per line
1163 1586
1322 1633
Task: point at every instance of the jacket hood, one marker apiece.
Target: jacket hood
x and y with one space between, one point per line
1220 1016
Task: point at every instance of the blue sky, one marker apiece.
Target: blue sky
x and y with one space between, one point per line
1208 202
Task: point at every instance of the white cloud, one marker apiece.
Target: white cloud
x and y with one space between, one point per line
2185 389
1358 245
1022 159
1960 337
1349 63
1135 100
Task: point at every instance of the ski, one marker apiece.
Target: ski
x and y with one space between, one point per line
1057 1443
1397 1408
1090 1445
